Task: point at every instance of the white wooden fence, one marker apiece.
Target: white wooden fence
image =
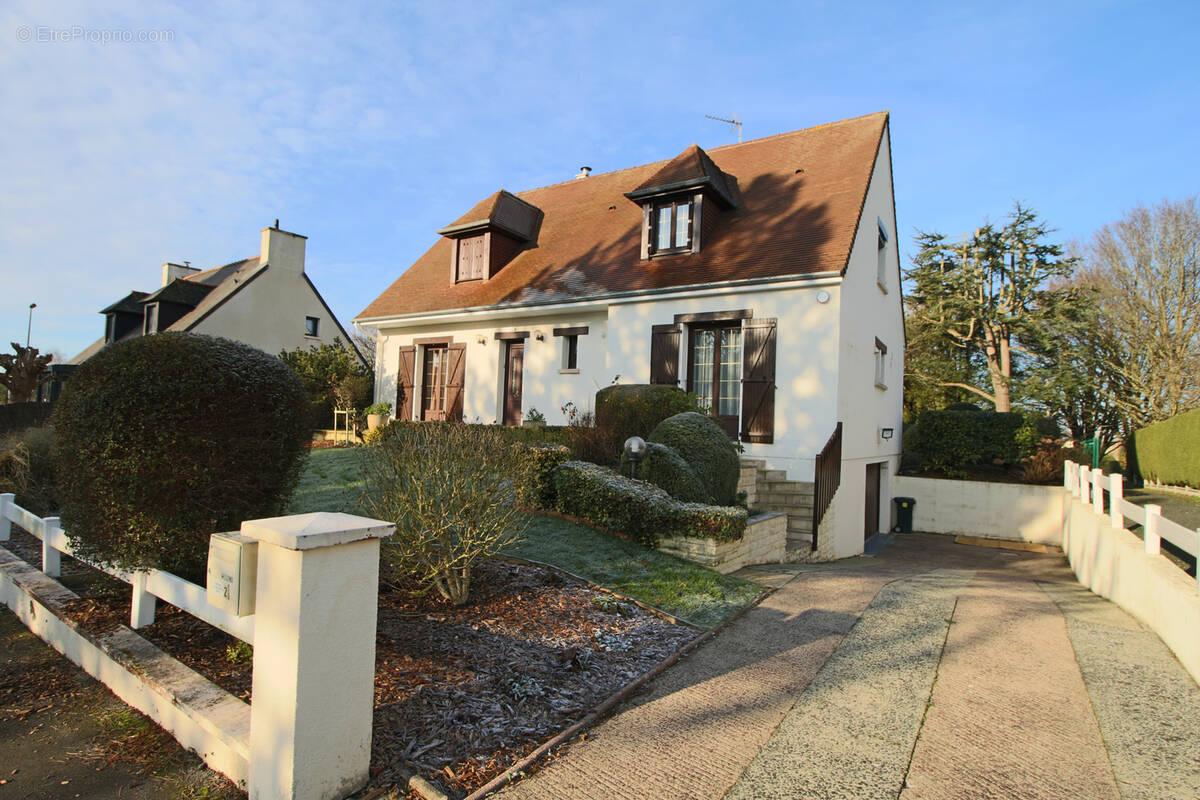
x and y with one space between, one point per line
1105 493
146 585
307 733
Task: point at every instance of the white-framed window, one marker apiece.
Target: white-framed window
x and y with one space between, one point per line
311 326
671 227
880 364
881 274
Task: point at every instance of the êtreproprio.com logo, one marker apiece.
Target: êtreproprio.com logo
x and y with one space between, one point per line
49 34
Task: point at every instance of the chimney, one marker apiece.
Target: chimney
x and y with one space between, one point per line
172 271
281 249
583 172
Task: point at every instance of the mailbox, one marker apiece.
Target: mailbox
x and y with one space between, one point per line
232 572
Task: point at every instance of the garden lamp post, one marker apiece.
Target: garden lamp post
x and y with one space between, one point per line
29 327
635 449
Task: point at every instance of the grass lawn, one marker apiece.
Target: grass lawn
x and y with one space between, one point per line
331 482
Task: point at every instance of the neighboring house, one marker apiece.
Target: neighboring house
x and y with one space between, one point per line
265 301
762 276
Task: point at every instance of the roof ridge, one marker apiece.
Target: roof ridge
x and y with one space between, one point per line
664 161
846 121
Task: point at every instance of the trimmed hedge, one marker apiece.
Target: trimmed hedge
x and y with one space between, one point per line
163 440
1168 452
666 469
636 409
535 473
951 439
639 509
709 451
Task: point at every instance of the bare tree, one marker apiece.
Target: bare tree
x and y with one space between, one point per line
23 372
1146 268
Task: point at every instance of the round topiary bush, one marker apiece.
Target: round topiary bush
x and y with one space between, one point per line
165 439
666 469
707 448
635 409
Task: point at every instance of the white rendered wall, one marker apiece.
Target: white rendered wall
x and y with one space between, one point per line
806 355
1016 512
869 312
268 313
547 387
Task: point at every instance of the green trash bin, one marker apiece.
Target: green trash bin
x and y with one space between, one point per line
904 513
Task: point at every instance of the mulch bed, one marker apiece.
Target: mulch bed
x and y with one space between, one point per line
461 694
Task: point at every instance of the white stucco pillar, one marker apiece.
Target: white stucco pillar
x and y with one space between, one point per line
314 654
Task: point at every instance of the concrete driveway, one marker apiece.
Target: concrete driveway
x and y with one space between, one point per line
934 670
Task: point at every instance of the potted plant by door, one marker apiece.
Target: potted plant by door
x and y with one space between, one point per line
376 415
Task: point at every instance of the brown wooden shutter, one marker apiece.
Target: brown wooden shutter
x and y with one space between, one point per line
454 389
404 383
758 381
664 354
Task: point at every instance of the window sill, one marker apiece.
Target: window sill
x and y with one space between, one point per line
568 372
310 336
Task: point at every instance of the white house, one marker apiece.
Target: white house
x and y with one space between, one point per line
266 301
763 276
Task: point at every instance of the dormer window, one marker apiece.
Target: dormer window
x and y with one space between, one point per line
673 226
681 202
490 235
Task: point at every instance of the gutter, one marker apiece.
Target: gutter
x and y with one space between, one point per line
601 301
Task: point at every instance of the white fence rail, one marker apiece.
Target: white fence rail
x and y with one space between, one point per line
148 586
1094 487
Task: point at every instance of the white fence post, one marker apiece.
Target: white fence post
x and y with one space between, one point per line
1116 491
314 654
51 558
141 609
1150 531
1067 482
1085 484
6 500
1098 491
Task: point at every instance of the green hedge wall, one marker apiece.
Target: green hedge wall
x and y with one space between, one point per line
950 439
1169 451
535 473
639 509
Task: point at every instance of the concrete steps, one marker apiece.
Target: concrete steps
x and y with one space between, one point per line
771 490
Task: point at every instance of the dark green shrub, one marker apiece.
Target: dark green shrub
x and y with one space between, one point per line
27 470
535 473
707 448
635 409
163 440
666 469
950 440
639 509
1168 452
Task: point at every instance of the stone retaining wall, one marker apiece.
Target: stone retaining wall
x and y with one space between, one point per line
764 542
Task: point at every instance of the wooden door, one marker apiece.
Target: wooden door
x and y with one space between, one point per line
513 381
871 511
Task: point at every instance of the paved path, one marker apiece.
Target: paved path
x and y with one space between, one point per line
932 671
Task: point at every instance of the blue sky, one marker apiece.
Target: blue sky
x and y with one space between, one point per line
368 129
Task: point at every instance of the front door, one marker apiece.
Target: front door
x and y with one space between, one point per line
513 380
715 372
871 512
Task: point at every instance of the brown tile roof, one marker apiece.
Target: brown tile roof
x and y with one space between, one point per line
692 167
800 197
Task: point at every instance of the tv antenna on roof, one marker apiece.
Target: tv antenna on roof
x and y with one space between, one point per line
735 122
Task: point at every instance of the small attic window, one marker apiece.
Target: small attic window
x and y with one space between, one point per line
311 326
672 226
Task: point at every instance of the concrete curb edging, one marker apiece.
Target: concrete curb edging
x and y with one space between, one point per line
601 711
202 716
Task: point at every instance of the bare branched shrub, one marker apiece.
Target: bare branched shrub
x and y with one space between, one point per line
449 490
